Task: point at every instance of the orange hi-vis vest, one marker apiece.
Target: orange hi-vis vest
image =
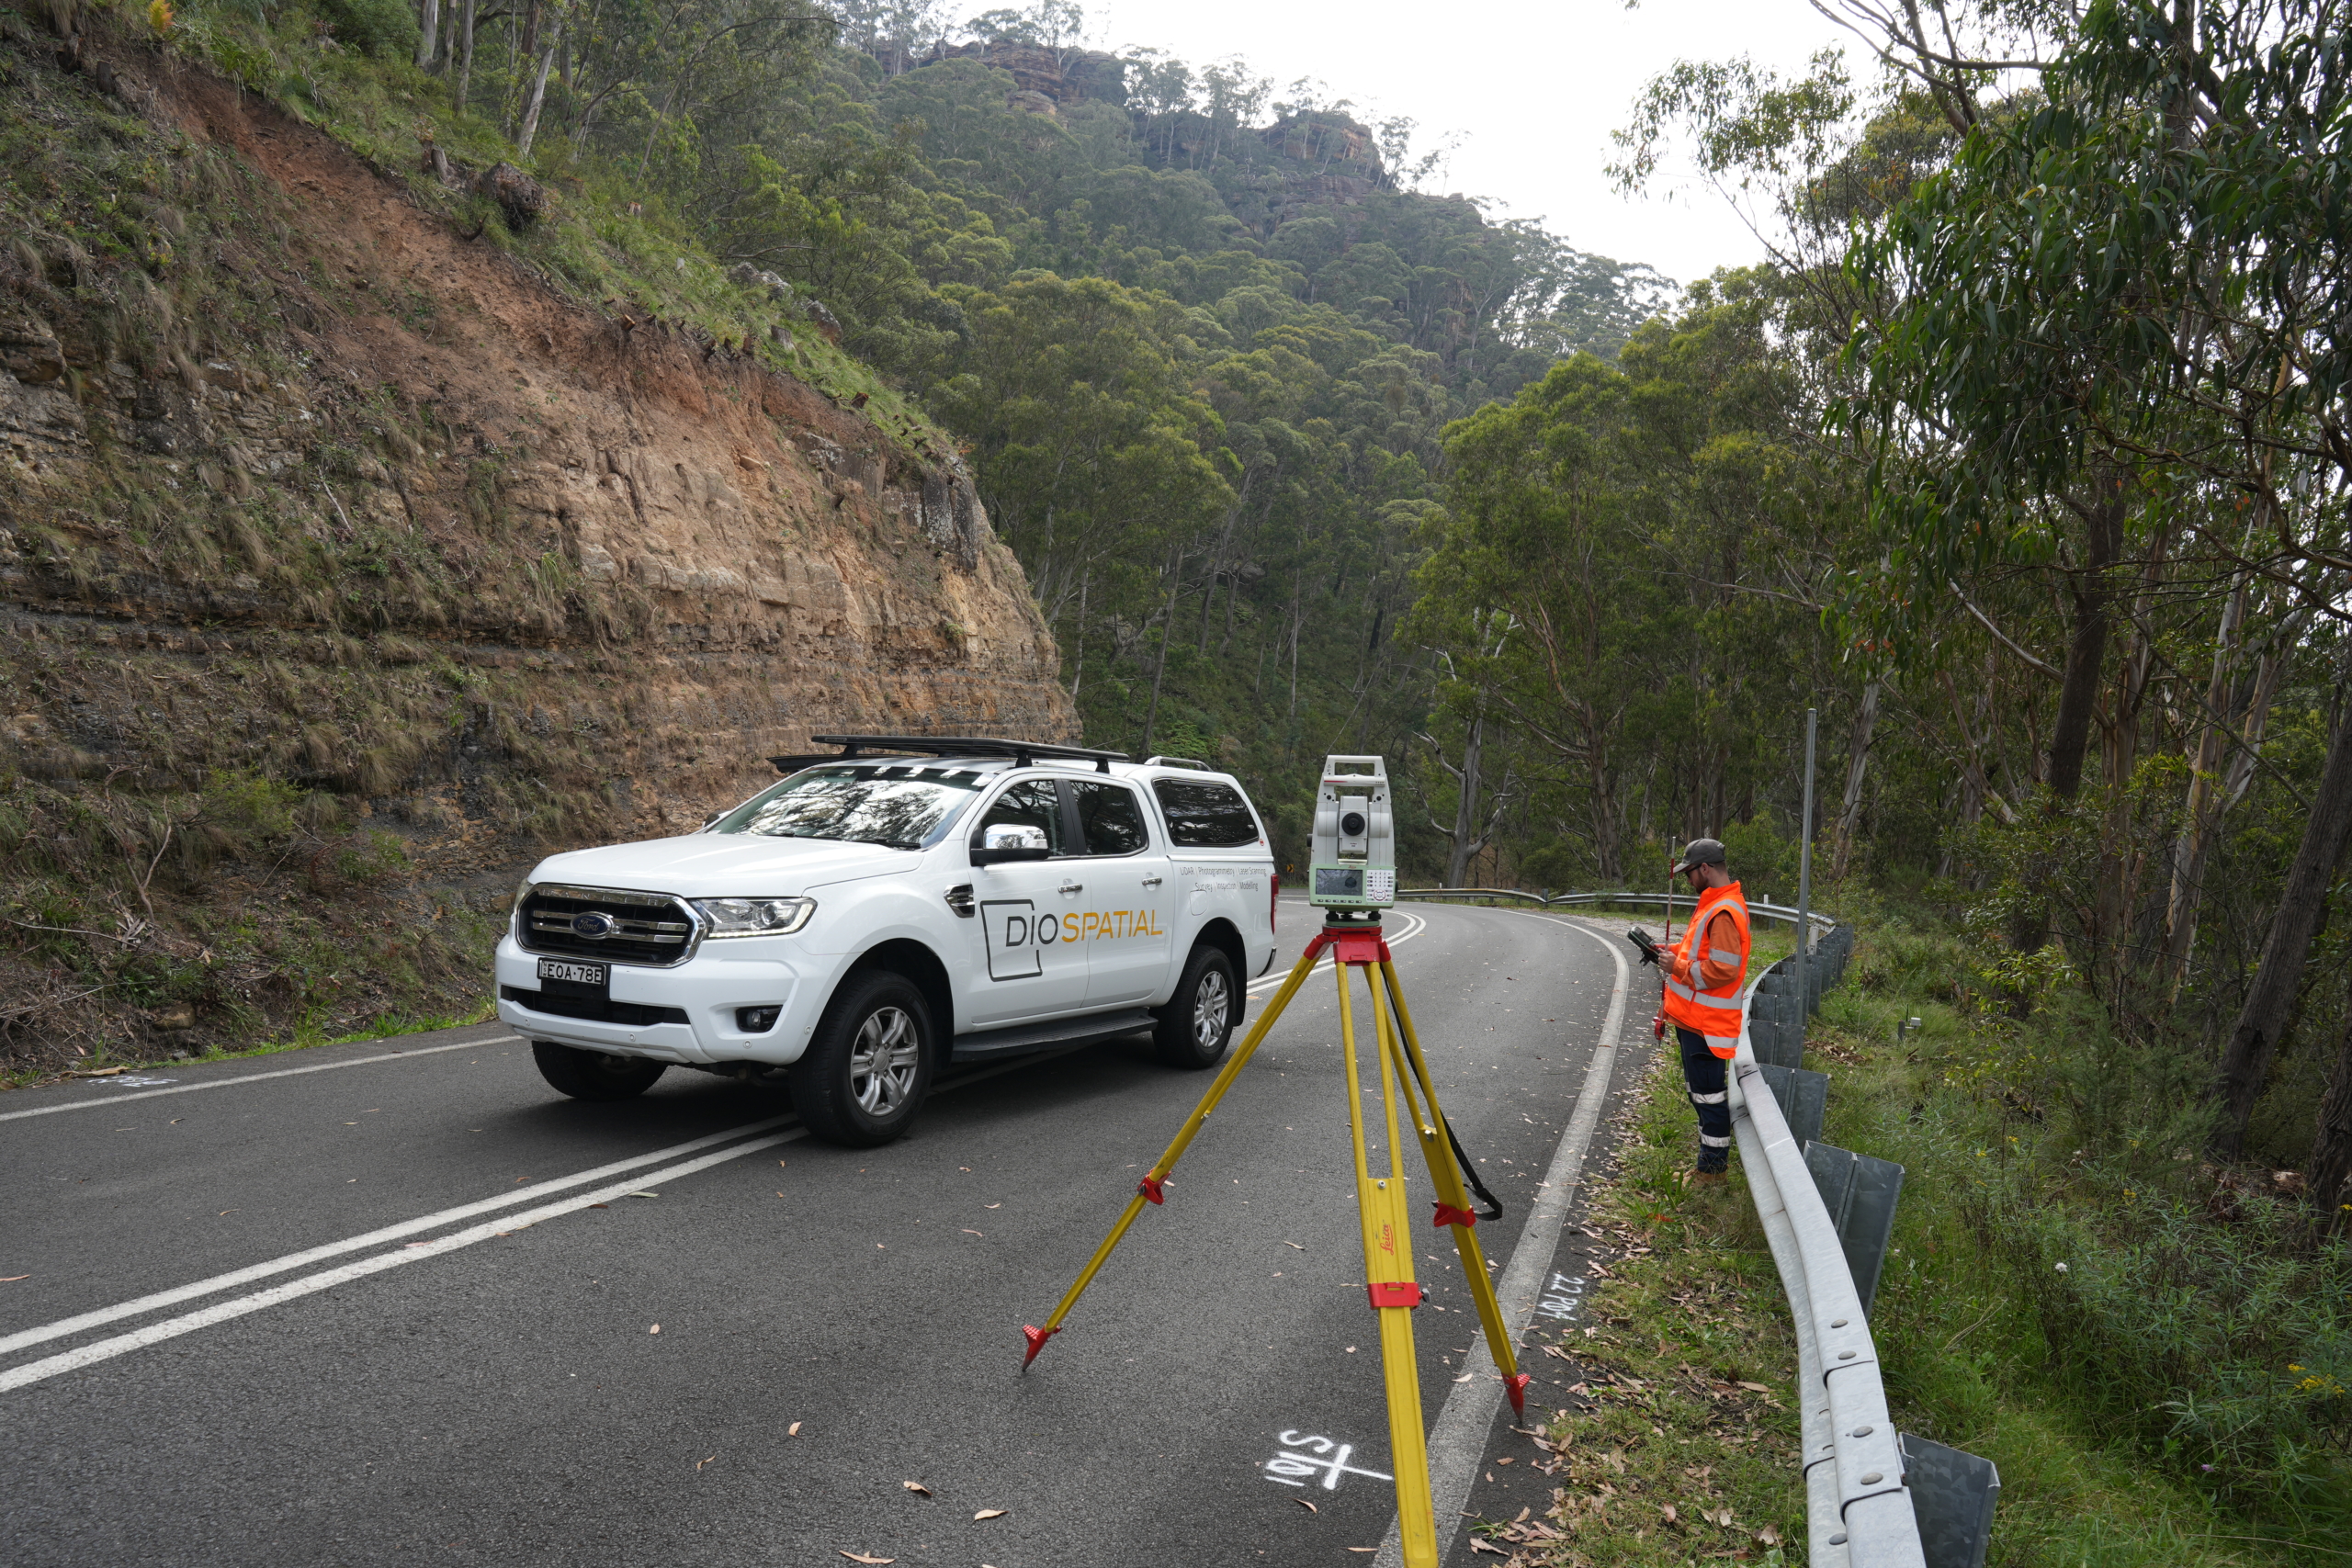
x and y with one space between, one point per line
1715 1014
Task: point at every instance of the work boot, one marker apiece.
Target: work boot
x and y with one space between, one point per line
1708 1178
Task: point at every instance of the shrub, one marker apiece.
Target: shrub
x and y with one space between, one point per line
385 29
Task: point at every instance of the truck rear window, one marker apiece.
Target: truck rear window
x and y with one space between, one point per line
1205 816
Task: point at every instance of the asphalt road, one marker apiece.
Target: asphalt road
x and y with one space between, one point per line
464 1366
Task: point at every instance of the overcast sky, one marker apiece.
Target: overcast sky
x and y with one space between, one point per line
1536 87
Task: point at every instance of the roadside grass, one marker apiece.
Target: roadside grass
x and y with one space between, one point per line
1682 1444
303 1036
2136 1415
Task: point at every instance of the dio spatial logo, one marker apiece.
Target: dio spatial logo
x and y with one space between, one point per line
1019 934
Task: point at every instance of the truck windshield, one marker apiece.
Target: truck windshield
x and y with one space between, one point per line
903 805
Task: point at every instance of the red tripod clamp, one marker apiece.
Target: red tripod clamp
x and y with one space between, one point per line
1394 1293
1447 1215
1516 1386
1150 1188
1037 1337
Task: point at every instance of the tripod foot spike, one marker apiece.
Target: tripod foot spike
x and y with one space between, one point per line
1514 1386
1037 1337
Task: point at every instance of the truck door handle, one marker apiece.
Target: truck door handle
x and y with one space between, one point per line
1151 882
1073 887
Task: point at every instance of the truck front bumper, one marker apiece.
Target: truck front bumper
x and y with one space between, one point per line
686 1013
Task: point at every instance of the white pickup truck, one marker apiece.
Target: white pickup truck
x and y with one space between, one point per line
877 915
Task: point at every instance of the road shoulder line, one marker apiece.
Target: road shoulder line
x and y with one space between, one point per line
256 1078
1458 1441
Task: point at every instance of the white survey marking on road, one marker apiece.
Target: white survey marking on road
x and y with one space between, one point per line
256 1078
1458 1441
1306 1456
178 1294
223 1311
1562 1296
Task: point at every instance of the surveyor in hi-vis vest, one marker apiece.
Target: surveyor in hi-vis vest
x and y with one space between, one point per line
1702 982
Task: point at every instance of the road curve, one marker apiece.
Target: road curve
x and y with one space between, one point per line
402 1309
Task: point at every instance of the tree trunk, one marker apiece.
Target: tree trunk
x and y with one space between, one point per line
1465 809
1857 761
2214 786
464 60
1167 636
2086 652
2245 1059
538 97
428 39
2331 1174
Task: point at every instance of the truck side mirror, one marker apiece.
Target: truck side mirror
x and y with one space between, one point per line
1003 841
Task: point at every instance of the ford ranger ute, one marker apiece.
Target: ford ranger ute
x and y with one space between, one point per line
874 915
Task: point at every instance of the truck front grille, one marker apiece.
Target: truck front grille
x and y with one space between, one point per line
601 923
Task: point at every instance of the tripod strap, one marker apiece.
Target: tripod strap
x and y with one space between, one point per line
1491 1207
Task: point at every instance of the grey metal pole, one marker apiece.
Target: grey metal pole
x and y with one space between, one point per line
1804 889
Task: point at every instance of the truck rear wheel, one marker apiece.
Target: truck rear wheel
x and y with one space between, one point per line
1197 1023
868 1067
593 1075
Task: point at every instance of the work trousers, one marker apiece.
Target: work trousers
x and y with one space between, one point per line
1705 1074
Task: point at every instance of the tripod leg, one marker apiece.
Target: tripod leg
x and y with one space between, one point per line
1388 1275
1454 1201
1147 1189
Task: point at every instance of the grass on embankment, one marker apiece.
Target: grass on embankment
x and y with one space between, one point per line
2173 1396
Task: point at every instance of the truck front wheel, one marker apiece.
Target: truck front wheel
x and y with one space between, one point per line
868 1067
1197 1023
593 1075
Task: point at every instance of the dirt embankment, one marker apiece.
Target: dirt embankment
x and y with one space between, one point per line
345 565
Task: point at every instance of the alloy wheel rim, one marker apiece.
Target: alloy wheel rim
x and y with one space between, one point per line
882 1062
1210 1008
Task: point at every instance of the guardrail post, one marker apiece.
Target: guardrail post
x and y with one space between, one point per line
1804 1099
1860 1193
1952 1495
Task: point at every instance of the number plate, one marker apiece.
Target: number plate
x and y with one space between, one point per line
569 972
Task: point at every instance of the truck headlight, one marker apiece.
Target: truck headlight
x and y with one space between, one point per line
754 917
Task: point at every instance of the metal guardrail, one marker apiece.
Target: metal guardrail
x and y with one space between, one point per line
1874 1498
1821 923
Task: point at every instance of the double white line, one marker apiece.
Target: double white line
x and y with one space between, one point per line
415 1252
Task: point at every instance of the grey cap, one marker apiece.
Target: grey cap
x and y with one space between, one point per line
1703 852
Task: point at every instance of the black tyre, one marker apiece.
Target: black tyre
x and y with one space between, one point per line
593 1075
1197 1023
868 1067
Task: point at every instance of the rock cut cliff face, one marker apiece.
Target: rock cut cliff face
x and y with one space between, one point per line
302 486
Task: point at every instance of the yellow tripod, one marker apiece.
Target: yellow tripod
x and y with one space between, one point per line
1380 1203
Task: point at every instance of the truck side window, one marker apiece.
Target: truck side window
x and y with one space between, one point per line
1109 818
1205 815
1032 803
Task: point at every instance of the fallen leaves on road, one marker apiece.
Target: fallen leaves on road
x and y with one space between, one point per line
861 1557
97 1072
655 1330
917 1487
969 1230
12 1278
989 1513
1478 1544
995 1205
1305 1505
700 1462
633 1194
1293 1243
793 1430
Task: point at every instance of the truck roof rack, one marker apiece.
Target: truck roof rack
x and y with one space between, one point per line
1178 762
1024 753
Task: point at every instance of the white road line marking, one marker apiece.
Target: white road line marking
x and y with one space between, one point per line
257 1078
1459 1439
230 1281
310 1284
155 1332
